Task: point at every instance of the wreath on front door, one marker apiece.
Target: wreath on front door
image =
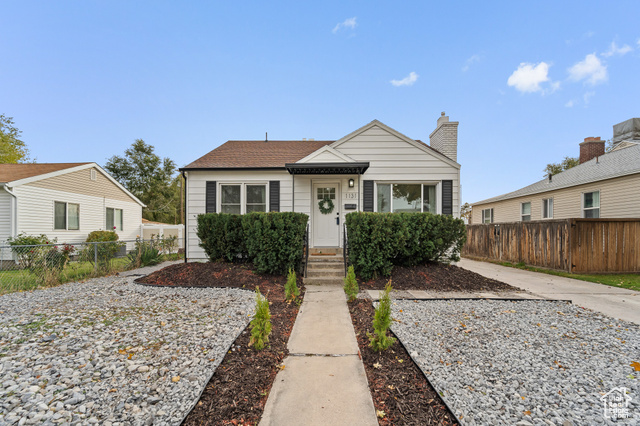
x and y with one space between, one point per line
326 205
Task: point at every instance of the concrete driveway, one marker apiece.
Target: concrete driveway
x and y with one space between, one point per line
615 302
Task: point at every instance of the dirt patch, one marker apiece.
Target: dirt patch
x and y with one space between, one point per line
397 385
436 277
238 390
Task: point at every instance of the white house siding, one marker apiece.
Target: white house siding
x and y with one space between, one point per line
196 184
392 159
618 199
5 216
36 213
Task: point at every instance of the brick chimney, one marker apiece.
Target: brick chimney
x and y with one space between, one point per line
445 137
591 148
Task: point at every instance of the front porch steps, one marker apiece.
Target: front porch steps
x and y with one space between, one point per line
326 270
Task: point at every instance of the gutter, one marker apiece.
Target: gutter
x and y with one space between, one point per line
184 218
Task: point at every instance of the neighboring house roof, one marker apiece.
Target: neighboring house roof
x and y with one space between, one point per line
256 154
13 172
613 164
14 175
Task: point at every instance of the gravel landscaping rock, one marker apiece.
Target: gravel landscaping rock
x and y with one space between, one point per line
524 362
110 351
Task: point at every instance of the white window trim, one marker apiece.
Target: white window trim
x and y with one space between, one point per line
522 214
114 218
582 208
243 194
422 183
66 216
490 215
552 208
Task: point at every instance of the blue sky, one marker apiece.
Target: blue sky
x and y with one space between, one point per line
527 81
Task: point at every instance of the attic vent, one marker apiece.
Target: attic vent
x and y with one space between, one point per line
93 174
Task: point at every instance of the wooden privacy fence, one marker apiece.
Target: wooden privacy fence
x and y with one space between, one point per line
572 245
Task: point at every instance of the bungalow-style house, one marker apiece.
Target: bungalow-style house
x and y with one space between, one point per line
374 169
603 185
66 201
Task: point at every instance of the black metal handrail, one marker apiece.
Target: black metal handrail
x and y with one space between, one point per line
305 252
345 248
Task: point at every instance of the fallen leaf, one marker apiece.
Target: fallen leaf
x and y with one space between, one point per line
175 379
377 365
113 390
636 365
380 414
527 413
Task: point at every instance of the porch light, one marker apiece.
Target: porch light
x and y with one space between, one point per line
351 183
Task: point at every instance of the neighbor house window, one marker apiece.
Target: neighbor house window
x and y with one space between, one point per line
591 204
66 216
487 216
525 212
114 219
406 197
547 208
254 196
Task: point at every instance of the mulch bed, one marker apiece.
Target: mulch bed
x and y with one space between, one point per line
435 277
397 385
238 390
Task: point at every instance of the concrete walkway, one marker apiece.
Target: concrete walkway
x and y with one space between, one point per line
615 302
323 382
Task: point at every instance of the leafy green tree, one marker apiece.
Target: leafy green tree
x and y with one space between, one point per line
151 179
465 211
566 164
12 149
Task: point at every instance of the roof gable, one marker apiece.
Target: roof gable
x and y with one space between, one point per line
416 144
326 154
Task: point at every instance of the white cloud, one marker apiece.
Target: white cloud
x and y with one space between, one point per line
407 81
638 42
615 50
349 23
528 77
569 104
472 59
591 70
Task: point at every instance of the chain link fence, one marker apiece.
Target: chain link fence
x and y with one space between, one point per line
26 267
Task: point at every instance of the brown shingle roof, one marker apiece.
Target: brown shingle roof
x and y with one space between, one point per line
11 172
239 154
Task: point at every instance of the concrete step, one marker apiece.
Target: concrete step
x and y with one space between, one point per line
334 258
329 281
335 273
326 265
314 250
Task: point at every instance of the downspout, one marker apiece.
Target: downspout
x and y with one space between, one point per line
184 219
293 192
14 212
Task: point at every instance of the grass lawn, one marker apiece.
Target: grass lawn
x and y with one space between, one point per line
630 281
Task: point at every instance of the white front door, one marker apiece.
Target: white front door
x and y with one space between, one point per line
326 227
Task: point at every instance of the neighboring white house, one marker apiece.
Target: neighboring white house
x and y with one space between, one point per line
603 185
66 201
375 168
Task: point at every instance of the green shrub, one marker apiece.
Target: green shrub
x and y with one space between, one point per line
351 285
291 291
29 257
145 253
221 236
106 250
272 241
378 241
380 341
261 323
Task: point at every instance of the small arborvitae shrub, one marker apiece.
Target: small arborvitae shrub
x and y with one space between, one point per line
351 285
261 323
291 291
381 322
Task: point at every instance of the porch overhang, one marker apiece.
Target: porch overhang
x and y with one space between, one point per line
326 168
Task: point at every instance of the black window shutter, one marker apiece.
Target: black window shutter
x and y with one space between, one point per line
367 195
447 197
274 195
210 195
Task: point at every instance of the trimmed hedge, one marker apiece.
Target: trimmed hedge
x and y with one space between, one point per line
272 241
378 241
